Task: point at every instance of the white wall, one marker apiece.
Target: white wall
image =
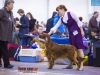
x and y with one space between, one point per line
37 7
1 3
79 7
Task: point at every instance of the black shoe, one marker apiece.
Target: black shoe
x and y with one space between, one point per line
9 66
0 65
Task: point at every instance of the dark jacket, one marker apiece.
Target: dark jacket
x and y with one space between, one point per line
24 27
49 24
6 25
32 24
93 24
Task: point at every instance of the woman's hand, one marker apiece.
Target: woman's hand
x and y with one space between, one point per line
82 33
50 32
96 37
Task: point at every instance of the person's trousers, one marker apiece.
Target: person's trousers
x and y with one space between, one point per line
23 41
4 52
29 39
16 39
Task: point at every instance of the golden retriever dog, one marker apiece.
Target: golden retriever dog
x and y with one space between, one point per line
55 51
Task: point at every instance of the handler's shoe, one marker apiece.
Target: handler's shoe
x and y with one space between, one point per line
0 62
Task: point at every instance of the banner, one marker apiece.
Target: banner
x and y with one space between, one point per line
95 2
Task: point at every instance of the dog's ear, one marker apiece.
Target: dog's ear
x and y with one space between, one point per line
81 59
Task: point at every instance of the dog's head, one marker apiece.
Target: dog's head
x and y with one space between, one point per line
35 40
44 36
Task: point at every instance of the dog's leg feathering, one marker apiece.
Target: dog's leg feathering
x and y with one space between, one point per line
80 59
79 64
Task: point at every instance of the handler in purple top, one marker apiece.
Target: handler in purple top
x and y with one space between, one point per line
75 30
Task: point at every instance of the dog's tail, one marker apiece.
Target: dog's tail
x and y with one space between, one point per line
75 56
78 58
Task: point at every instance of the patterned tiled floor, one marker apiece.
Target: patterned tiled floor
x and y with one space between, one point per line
57 70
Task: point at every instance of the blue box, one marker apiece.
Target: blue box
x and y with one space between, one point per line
30 59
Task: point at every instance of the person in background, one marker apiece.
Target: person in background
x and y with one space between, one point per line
85 29
93 23
37 24
43 25
50 21
36 34
16 39
6 31
24 27
81 19
75 31
32 21
32 26
65 35
56 34
94 33
62 27
39 31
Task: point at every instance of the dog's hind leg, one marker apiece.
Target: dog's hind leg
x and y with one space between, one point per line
79 64
73 59
76 61
70 66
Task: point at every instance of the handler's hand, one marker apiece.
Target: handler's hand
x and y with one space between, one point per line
50 32
82 34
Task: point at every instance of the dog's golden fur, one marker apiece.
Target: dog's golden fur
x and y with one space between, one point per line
55 51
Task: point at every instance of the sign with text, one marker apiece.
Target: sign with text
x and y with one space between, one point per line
27 69
95 2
